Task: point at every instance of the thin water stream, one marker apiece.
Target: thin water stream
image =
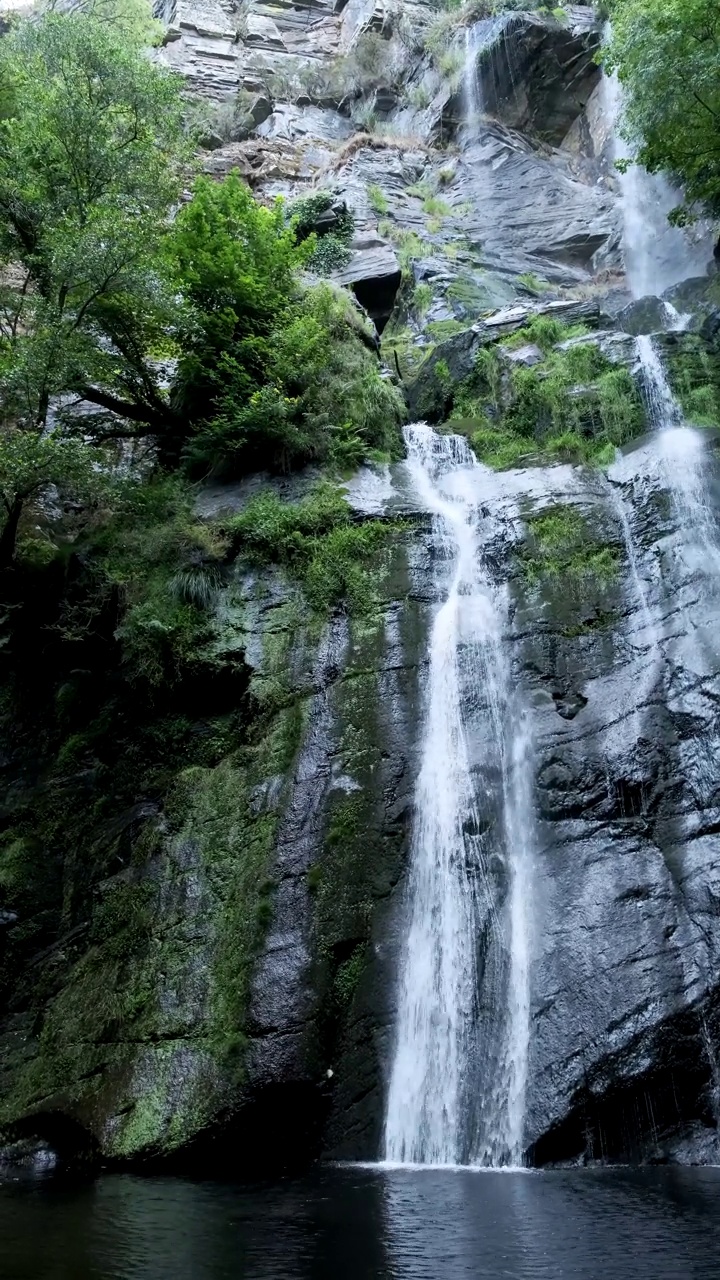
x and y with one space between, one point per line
657 254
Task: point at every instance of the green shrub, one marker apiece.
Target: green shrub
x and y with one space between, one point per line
561 545
574 406
317 543
533 284
330 250
164 567
450 64
323 386
419 97
436 207
422 298
378 199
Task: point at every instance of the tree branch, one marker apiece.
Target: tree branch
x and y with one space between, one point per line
154 419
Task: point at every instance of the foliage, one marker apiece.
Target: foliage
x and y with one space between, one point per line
91 153
367 66
533 283
436 207
694 372
130 21
329 248
450 64
422 298
348 976
378 200
575 406
317 543
667 57
237 261
164 567
323 397
561 545
419 97
30 461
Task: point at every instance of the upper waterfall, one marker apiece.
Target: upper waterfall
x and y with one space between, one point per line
657 254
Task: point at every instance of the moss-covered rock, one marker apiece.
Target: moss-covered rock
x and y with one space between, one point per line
143 872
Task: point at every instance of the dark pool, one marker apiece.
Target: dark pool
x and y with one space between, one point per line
356 1224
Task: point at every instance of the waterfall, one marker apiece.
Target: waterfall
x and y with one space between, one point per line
479 36
472 94
683 458
451 1098
662 407
657 255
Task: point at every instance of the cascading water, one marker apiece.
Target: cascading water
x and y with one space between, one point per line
683 458
481 35
453 1099
657 255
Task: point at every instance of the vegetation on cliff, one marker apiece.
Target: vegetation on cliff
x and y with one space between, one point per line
546 392
192 332
667 56
156 328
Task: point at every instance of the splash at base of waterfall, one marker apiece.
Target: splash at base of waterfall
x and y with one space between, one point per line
456 1096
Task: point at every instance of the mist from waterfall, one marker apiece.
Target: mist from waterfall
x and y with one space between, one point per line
456 1096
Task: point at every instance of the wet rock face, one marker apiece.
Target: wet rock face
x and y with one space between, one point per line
621 675
539 76
522 196
226 998
626 929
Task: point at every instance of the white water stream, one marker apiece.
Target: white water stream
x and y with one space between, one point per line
434 1115
459 1071
657 255
481 35
683 458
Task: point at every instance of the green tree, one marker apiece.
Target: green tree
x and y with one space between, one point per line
236 262
323 397
91 159
30 461
667 57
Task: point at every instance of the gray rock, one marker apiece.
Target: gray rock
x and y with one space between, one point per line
646 315
537 74
374 274
528 355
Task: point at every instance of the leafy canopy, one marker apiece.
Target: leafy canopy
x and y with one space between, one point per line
91 155
667 57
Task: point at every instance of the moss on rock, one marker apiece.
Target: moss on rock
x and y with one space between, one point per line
569 404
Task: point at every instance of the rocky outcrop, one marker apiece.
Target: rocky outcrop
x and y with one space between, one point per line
537 75
481 210
219 985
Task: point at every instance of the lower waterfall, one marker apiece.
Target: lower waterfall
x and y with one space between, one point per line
457 1084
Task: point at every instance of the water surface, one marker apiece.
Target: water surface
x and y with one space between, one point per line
357 1224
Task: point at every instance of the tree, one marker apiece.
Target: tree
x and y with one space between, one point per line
236 262
667 57
91 160
30 461
322 397
132 20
